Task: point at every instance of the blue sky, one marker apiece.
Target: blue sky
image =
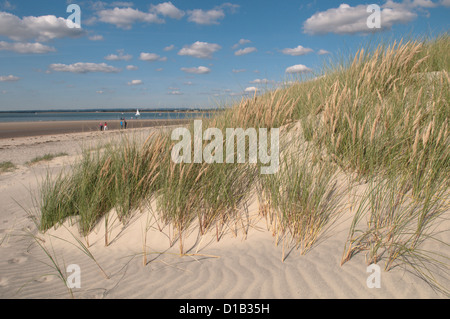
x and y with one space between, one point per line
183 53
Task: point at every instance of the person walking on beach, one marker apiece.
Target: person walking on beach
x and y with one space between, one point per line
101 126
105 127
125 123
121 124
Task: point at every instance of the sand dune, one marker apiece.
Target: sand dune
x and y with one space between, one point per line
246 265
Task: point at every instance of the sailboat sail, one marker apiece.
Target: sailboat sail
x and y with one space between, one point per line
137 113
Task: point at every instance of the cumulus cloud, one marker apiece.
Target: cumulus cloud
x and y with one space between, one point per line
197 70
168 9
125 17
135 82
322 52
119 57
297 51
205 17
212 16
202 50
348 20
250 89
241 42
26 48
82 67
169 48
245 51
299 68
175 92
151 57
42 28
9 78
132 67
260 81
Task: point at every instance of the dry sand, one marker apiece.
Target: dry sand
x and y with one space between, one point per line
248 265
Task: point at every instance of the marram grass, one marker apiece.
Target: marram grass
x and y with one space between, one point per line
382 115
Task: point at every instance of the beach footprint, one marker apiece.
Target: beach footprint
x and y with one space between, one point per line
18 260
4 281
45 278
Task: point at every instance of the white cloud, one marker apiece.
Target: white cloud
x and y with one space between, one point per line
205 17
42 28
82 67
347 19
175 93
424 3
250 89
212 16
135 82
9 78
241 42
202 50
197 70
245 51
261 81
26 48
132 67
322 52
299 68
99 92
125 17
297 51
238 70
168 9
120 57
169 48
151 57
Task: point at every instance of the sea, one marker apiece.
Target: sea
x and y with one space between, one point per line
42 116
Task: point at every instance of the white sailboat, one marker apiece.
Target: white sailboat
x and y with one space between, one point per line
137 113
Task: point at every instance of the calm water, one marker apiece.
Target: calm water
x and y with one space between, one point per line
87 116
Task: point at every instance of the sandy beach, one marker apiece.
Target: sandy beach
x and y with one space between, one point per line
23 129
244 263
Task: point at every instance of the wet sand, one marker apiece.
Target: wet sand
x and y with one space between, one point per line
26 129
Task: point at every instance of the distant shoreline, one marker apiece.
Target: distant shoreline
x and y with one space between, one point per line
113 111
27 129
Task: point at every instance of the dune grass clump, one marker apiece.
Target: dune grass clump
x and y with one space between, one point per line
302 199
7 166
119 176
390 225
384 113
46 158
